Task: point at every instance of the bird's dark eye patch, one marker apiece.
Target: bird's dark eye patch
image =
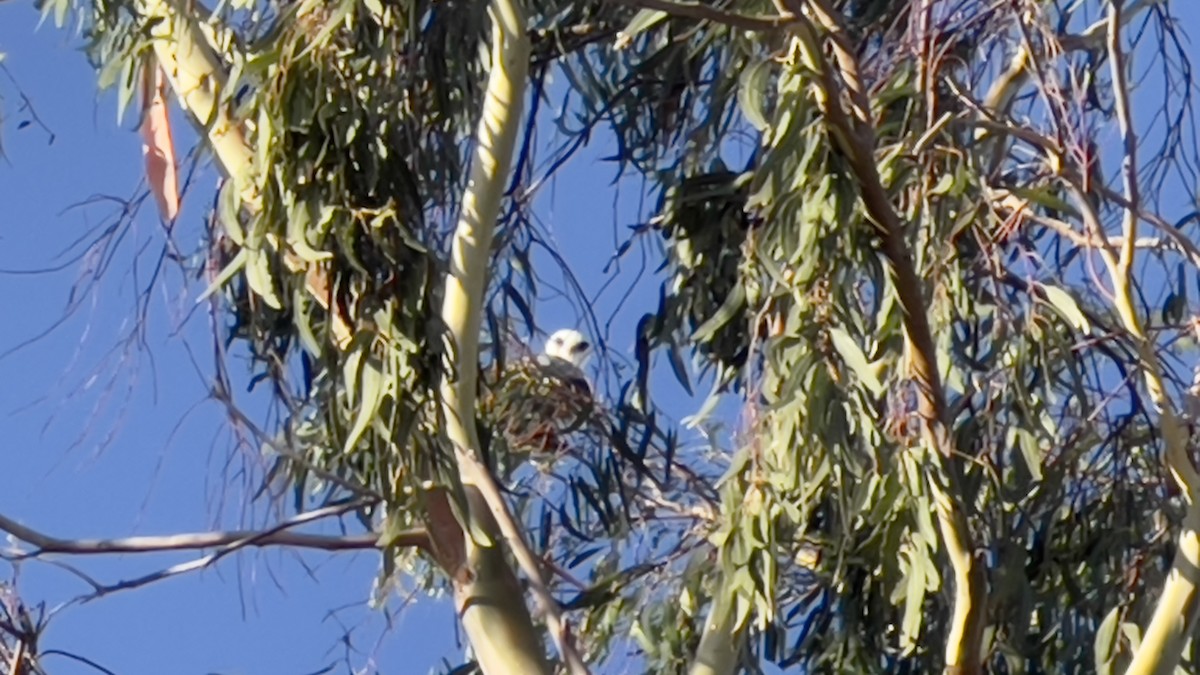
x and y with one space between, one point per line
581 347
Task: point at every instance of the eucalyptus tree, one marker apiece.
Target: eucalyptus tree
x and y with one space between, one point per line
936 254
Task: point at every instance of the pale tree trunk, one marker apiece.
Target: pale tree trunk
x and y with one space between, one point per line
721 643
1175 613
487 595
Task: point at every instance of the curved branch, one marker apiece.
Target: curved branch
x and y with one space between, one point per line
854 133
493 611
1177 607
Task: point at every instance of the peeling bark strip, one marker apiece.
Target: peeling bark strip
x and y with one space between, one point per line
158 147
446 537
197 77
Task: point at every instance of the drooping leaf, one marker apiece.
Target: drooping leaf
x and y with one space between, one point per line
1062 301
855 358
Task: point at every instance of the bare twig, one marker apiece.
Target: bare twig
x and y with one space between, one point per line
79 659
27 105
702 12
275 536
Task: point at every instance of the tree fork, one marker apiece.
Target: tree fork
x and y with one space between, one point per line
1175 613
504 641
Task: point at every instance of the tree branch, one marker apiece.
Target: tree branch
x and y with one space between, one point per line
516 649
854 133
1175 612
275 536
475 473
702 12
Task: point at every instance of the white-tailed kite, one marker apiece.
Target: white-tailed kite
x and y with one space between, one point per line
564 356
542 398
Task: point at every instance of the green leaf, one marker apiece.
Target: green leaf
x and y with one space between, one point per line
678 367
943 185
228 205
725 313
1045 197
856 359
264 139
914 601
1132 633
127 86
1030 451
321 36
376 9
751 98
258 277
299 217
706 409
743 606
371 394
924 512
1065 304
1106 642
303 319
643 21
233 267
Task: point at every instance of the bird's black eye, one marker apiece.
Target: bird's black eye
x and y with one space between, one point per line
581 347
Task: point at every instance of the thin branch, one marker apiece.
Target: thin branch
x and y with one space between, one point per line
78 658
702 12
27 105
476 473
1120 88
275 536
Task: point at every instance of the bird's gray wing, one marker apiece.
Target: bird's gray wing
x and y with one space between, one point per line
567 372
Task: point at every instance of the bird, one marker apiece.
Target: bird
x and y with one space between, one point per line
565 355
539 400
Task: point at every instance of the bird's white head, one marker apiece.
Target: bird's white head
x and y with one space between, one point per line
569 345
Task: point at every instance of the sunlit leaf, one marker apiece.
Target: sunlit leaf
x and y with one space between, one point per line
856 359
1062 301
